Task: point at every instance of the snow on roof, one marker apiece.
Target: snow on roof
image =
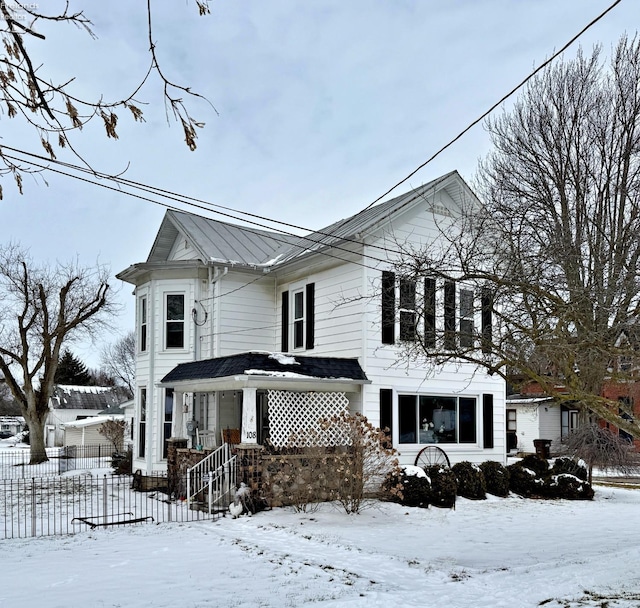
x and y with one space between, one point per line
283 359
92 420
69 388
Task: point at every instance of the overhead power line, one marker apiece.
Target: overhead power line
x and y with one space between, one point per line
495 105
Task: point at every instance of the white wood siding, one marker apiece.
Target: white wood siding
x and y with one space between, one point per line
338 311
385 369
246 318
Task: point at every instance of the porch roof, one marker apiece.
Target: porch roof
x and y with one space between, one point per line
260 369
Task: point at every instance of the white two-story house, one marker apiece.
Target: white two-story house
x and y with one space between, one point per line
249 329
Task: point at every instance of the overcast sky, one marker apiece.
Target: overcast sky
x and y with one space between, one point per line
323 106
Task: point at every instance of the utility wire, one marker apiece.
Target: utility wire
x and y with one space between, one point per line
166 205
495 105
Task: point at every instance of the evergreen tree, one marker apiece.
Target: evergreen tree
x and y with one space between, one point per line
72 370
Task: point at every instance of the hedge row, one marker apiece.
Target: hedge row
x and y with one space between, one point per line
531 477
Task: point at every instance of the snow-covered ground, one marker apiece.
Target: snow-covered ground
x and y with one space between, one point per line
499 552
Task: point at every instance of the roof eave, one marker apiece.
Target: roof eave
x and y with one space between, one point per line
260 381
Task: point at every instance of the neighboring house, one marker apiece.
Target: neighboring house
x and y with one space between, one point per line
531 417
87 431
70 403
241 328
10 426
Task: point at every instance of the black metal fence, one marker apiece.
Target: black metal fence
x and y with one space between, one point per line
48 506
14 463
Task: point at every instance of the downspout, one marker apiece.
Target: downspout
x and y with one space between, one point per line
215 274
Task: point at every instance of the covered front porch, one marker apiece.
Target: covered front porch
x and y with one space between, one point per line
257 399
264 396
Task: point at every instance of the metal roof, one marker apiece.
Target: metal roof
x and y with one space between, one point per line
218 241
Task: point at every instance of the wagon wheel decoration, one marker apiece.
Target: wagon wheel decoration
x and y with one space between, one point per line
431 455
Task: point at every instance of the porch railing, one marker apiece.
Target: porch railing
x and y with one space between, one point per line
212 482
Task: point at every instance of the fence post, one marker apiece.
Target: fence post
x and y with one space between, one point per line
104 497
33 506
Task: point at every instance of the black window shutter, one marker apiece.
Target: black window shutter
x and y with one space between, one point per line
310 315
430 313
487 420
486 306
386 415
284 346
450 315
388 307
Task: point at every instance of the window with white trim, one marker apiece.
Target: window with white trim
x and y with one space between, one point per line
298 318
167 419
174 320
142 337
426 419
142 423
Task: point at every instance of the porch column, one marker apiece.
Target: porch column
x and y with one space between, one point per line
249 432
177 420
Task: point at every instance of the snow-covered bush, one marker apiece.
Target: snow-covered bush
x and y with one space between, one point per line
496 477
538 465
409 486
470 480
569 487
571 466
525 481
443 486
566 479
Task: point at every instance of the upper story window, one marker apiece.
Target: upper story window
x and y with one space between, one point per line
407 310
298 318
174 333
142 338
466 318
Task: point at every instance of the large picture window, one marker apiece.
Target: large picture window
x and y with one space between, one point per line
175 321
429 419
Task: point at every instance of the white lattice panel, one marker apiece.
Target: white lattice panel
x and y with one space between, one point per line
294 418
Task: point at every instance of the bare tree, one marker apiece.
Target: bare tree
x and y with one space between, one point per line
42 308
552 251
53 108
119 361
600 447
114 431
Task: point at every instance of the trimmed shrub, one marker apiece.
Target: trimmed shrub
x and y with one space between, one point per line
496 477
524 481
410 489
443 486
470 480
566 479
569 487
538 465
570 466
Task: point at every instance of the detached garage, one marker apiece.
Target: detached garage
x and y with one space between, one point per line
85 432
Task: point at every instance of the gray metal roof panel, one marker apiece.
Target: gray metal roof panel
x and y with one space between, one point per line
216 240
